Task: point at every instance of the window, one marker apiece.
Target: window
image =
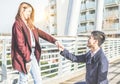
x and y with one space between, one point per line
92 11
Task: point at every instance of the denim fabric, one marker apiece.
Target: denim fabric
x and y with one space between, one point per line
34 71
23 78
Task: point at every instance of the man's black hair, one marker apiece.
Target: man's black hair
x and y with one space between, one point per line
100 36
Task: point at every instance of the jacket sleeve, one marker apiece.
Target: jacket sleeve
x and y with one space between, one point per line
72 57
20 41
103 71
46 36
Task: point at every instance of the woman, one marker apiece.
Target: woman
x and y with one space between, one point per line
26 49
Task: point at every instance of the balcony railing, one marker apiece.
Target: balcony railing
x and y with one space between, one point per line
111 14
110 27
53 66
111 2
82 17
90 5
90 17
83 7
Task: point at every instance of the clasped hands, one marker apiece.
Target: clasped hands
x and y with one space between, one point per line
59 45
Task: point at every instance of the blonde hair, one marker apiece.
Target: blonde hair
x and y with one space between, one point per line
22 7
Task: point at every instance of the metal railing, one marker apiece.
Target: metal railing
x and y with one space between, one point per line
52 65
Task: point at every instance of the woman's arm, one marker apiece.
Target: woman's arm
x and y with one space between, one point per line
46 36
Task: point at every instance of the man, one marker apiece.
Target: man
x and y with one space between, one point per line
95 59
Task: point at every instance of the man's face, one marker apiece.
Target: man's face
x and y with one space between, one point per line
91 41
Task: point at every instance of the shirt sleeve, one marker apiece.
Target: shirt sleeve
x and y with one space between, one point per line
72 57
103 71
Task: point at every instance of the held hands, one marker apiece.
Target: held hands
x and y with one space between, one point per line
59 45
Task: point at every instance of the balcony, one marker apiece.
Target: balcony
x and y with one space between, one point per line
83 18
90 17
90 28
111 14
82 29
111 2
111 27
90 5
83 7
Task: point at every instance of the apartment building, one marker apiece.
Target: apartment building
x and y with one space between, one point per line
87 16
52 20
110 22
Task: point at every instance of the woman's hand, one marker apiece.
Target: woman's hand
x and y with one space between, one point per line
28 65
59 45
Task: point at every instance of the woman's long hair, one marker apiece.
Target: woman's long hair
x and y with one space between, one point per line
22 7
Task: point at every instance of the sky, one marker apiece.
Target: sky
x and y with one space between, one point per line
8 10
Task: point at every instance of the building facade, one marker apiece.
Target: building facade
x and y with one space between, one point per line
110 21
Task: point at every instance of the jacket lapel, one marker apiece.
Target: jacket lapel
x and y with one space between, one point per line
26 34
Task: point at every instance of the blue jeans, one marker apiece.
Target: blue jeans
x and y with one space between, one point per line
34 71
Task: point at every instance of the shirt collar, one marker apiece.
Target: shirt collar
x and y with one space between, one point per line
93 53
95 57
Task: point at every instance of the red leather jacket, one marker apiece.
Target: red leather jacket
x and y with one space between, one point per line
21 44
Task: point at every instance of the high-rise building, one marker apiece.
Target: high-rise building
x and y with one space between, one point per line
63 16
111 16
110 21
87 16
52 20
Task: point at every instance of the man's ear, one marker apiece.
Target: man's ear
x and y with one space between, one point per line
96 42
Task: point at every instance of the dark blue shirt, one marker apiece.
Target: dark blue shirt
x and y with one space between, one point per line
96 66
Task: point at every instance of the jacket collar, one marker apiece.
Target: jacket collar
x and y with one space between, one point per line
25 31
95 58
97 55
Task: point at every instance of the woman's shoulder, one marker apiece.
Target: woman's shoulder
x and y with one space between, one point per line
18 22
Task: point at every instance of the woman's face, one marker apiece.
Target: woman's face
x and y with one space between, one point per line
27 12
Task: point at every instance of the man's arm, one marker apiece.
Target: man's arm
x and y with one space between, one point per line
72 57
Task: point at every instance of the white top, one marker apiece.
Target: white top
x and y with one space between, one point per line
32 38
